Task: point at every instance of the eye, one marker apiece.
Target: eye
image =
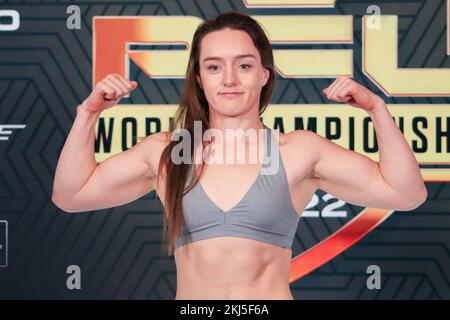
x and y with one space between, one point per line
213 67
245 66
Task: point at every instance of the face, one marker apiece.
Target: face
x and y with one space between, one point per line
231 73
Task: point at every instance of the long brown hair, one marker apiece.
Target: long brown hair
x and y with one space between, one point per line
194 107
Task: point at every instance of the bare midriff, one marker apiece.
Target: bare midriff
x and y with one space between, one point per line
232 268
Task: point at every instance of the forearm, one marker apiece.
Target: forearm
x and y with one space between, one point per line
397 162
77 160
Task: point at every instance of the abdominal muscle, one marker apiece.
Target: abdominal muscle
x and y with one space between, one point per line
232 268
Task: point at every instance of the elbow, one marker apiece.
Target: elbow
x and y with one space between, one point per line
415 201
62 204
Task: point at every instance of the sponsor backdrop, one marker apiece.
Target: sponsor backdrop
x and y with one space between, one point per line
51 54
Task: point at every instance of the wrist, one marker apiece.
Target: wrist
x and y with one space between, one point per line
86 108
379 104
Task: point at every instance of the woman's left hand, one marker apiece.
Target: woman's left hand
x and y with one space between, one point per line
345 89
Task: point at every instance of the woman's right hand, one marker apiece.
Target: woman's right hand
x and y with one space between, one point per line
108 92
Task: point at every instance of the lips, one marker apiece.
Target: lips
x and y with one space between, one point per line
230 94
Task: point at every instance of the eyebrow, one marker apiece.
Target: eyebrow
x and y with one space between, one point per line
240 56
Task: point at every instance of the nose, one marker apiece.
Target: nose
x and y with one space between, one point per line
230 77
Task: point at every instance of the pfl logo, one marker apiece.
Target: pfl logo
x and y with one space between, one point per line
3 243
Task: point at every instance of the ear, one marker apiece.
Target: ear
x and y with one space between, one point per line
199 81
266 75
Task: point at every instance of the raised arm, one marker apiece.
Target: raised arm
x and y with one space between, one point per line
82 184
394 182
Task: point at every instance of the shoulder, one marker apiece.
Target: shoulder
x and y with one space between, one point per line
321 149
152 147
301 150
158 137
301 139
155 141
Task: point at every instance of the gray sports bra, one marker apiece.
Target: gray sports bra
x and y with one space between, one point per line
265 213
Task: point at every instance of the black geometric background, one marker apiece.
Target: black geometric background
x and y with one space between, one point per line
46 70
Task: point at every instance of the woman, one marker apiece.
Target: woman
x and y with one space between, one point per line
231 225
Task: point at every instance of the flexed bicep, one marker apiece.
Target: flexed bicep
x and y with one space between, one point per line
351 176
120 179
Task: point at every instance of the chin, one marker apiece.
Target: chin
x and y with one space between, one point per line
232 113
231 109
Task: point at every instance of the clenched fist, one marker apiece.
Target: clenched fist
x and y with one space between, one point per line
344 89
108 92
